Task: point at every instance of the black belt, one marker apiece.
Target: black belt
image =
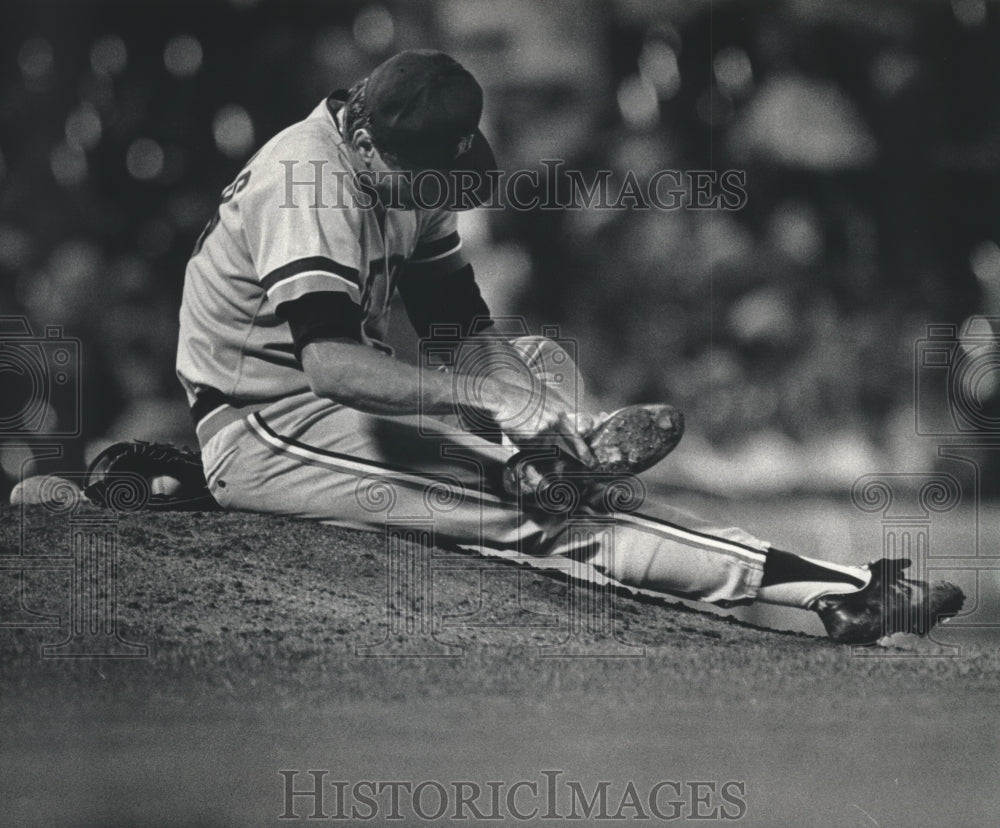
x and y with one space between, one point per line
213 411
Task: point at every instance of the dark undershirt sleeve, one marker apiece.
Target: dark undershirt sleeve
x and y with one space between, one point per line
328 315
444 299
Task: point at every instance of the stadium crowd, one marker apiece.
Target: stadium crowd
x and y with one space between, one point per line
785 329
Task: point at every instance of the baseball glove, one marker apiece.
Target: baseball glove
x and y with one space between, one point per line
174 477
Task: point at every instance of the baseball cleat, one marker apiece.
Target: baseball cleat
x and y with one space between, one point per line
633 439
627 441
889 604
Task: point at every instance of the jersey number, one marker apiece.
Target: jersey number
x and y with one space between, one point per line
228 195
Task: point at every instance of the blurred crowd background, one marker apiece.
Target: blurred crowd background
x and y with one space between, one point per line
869 133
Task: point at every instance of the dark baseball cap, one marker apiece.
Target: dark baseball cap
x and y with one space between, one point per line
425 109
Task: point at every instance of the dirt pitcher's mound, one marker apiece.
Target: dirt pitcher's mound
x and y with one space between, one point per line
162 668
238 589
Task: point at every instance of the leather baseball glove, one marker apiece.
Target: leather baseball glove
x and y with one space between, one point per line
174 477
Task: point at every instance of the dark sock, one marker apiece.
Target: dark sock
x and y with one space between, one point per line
784 567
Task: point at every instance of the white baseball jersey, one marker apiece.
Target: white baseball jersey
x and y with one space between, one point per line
290 225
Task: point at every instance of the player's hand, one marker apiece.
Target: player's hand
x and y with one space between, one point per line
527 419
570 433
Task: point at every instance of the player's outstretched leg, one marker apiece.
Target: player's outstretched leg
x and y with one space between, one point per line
682 555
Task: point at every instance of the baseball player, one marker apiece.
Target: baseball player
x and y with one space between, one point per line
302 410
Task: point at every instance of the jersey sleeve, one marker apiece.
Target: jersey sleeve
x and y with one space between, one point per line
299 244
438 285
439 247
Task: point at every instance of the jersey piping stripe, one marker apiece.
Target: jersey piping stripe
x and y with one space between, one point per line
444 255
318 264
352 289
358 466
692 537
